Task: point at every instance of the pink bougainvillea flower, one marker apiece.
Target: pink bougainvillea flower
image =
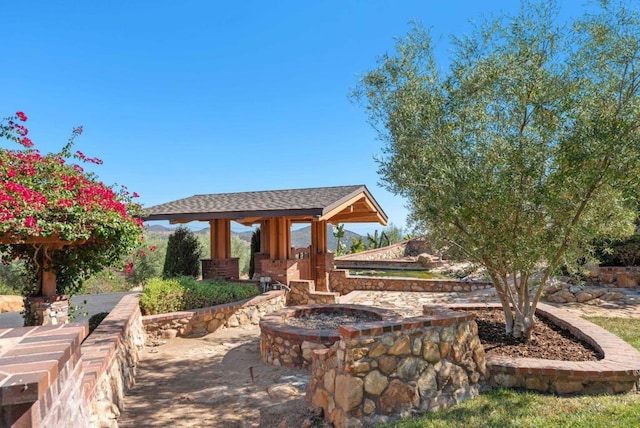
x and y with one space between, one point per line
21 116
143 253
153 248
26 141
135 195
30 222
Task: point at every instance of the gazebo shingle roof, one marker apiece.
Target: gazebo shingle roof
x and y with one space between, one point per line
269 203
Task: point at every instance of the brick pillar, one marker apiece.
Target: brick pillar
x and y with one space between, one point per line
257 263
47 310
220 268
280 270
324 264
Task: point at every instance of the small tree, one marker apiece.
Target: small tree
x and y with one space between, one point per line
58 219
525 151
183 254
338 233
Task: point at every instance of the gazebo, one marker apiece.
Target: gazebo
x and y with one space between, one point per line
275 211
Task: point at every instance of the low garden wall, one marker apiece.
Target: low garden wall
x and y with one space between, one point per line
397 367
110 357
620 276
617 372
51 378
343 283
303 292
198 322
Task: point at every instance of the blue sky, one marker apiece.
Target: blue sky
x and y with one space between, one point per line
190 97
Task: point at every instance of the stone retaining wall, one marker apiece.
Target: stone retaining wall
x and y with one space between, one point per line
303 292
198 322
617 372
395 368
620 276
343 283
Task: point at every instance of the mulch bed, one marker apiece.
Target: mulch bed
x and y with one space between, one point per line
548 342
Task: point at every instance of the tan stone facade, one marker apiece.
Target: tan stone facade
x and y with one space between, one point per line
417 364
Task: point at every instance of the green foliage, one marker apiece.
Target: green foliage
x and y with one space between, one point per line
15 278
525 151
183 254
240 249
376 241
147 262
184 293
625 252
105 281
255 248
395 234
338 233
357 245
162 296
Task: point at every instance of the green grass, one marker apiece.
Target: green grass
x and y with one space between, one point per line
503 408
626 328
420 274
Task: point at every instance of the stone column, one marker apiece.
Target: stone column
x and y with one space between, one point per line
47 310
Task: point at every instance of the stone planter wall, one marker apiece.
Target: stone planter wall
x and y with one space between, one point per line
343 283
199 322
378 370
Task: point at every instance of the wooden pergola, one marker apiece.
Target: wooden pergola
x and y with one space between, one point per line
275 211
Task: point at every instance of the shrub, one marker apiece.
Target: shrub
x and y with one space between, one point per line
184 293
183 254
161 296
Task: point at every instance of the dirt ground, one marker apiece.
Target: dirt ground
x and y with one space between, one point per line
216 381
219 381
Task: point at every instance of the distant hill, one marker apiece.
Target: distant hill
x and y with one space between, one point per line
300 238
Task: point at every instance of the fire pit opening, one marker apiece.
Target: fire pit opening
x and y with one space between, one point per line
288 337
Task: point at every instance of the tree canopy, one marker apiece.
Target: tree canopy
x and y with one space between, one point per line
524 150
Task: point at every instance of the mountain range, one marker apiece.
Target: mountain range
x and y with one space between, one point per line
300 238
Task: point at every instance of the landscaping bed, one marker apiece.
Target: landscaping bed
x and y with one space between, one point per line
548 341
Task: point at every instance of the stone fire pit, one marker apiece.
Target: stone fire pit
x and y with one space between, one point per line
288 336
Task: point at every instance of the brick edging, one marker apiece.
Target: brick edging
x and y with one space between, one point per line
618 371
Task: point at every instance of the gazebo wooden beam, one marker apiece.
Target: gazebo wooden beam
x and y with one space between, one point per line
220 238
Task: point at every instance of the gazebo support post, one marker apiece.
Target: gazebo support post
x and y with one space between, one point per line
221 264
322 260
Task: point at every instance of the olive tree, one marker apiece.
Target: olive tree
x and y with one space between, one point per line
523 149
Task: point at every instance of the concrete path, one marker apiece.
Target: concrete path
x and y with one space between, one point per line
87 306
